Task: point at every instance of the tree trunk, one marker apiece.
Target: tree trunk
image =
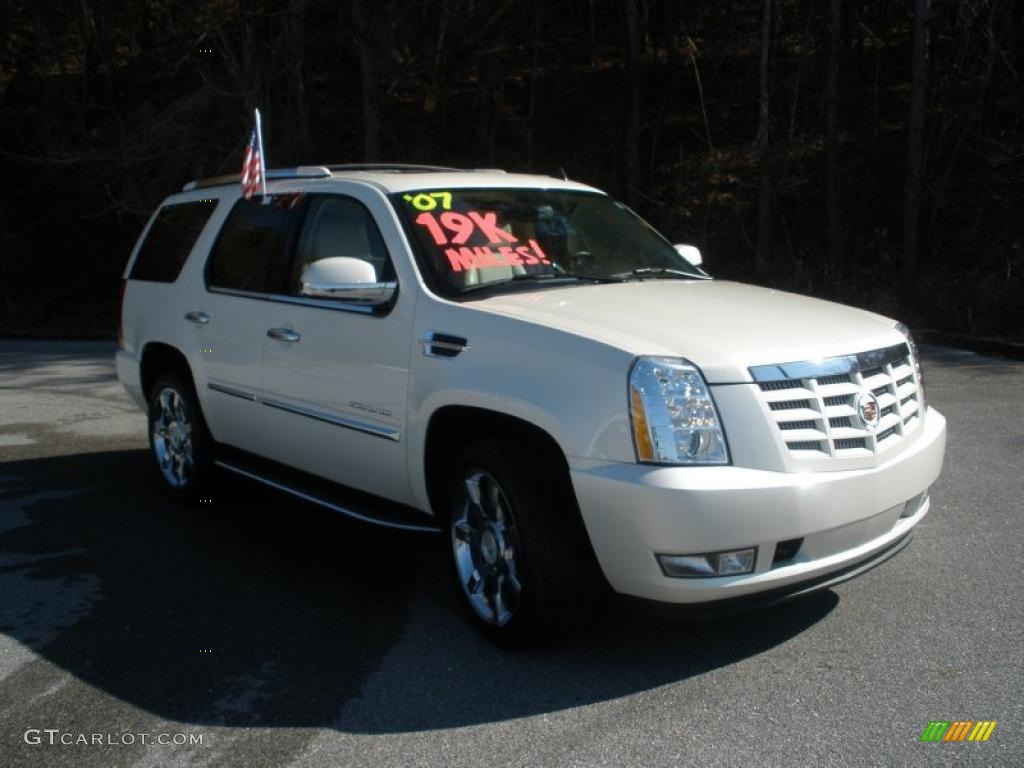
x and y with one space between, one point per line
632 150
915 141
366 23
531 118
299 143
764 204
370 72
832 203
805 38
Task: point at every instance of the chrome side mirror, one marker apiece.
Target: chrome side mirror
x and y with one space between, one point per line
691 253
347 279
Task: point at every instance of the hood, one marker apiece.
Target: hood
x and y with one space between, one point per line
722 327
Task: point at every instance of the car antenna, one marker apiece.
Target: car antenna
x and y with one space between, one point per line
562 173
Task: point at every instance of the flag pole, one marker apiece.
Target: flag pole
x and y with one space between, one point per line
263 162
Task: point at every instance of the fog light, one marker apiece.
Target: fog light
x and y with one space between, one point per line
730 563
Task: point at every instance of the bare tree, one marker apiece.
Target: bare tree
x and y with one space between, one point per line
299 139
832 203
369 28
764 205
915 140
634 44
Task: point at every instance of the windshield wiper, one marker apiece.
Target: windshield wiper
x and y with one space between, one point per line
666 271
595 278
550 279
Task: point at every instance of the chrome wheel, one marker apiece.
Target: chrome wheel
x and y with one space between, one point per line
172 438
486 547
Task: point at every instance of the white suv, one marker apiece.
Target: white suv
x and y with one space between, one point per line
523 364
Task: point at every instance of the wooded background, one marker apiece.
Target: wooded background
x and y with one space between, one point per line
870 151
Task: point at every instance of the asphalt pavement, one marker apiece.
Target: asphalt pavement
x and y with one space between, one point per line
262 632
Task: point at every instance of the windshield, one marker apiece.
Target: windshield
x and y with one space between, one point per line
501 239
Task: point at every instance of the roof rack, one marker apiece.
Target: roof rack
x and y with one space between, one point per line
394 167
409 168
324 171
300 172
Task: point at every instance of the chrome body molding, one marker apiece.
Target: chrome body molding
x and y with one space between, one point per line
339 306
829 366
321 501
225 390
387 433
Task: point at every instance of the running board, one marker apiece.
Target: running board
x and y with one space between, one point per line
355 504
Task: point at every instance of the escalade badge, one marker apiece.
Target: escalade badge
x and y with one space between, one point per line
867 409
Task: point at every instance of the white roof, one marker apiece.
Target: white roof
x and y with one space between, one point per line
405 181
398 179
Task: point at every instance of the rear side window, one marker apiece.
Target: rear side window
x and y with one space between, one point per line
251 249
170 240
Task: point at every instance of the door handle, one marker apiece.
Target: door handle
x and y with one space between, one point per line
200 318
283 334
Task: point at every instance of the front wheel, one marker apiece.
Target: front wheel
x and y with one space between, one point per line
519 553
178 437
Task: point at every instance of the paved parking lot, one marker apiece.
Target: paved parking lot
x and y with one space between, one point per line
278 634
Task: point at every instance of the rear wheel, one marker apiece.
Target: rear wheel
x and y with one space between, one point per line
519 554
178 437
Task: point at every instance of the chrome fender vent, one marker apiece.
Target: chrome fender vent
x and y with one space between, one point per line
443 344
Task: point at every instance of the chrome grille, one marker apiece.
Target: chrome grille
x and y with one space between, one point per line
813 403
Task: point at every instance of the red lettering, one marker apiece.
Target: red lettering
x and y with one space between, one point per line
539 252
528 258
460 259
427 220
462 227
511 257
488 225
485 258
459 225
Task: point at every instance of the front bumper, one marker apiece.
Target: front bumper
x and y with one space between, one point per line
844 518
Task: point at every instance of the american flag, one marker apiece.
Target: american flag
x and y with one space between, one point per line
252 164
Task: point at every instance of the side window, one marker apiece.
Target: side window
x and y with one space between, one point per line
339 226
170 240
252 245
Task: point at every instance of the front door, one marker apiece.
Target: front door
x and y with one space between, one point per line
335 375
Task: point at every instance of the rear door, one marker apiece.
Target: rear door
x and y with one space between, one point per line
154 289
335 375
231 318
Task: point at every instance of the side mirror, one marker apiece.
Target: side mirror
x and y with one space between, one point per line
691 253
346 279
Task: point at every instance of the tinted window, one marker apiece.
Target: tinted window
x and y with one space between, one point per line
340 226
170 240
251 248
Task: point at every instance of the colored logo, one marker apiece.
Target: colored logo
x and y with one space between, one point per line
958 730
867 409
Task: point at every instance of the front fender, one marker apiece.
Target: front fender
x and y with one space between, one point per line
571 387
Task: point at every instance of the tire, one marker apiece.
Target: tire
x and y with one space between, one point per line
519 555
179 439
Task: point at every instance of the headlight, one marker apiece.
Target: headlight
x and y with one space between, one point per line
915 359
674 418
